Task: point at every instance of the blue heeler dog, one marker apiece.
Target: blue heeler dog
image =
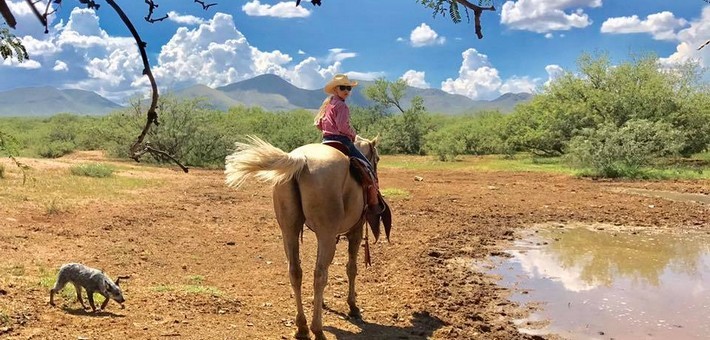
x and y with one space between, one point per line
93 280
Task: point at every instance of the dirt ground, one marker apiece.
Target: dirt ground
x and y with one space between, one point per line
206 261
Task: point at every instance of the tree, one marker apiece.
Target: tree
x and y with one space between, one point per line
405 134
606 94
387 93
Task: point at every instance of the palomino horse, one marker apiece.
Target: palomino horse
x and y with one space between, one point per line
312 186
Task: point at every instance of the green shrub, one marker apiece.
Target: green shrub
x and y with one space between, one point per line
610 151
96 170
56 149
444 145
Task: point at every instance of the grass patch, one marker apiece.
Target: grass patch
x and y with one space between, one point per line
691 169
655 174
17 270
200 289
47 280
521 162
95 170
190 289
162 288
196 286
196 279
55 190
394 193
4 319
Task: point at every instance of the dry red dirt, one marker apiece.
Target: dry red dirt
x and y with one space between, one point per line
206 262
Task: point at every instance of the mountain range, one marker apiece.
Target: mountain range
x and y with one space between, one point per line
46 101
268 91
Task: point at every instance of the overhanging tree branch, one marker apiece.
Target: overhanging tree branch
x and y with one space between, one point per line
139 148
438 6
477 11
7 15
40 17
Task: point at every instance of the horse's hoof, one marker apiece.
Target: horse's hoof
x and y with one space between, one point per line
301 335
320 336
355 313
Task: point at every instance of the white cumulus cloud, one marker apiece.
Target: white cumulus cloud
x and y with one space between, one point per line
517 84
338 54
27 23
423 35
543 16
477 79
286 9
690 39
661 26
415 79
183 19
60 66
216 53
553 72
364 75
97 62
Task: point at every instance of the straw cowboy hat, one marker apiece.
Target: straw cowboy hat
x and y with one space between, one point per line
338 79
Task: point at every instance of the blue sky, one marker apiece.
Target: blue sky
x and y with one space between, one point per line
526 43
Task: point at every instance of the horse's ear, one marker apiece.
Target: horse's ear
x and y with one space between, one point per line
375 141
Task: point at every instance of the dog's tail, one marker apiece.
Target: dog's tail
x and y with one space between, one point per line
259 159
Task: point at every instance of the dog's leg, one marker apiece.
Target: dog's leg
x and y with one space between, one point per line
90 296
106 299
78 295
59 285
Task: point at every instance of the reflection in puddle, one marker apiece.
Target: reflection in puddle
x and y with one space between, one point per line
603 284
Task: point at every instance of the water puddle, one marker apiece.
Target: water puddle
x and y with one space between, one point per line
604 284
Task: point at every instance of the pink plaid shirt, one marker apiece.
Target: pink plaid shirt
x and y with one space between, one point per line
336 120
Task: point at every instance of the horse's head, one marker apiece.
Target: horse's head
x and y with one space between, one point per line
369 149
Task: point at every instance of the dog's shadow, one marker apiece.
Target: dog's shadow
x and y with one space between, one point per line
88 312
423 327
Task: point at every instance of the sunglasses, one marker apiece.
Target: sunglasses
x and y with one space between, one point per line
345 88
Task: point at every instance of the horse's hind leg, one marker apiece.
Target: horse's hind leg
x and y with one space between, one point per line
290 217
354 242
326 252
295 273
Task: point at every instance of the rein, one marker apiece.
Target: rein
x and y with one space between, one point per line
368 259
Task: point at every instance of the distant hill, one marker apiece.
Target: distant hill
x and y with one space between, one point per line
47 101
273 93
268 91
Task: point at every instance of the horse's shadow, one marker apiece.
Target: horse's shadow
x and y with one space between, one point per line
423 327
88 312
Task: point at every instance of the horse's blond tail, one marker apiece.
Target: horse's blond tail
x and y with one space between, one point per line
262 160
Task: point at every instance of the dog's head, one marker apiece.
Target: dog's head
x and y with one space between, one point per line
114 291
